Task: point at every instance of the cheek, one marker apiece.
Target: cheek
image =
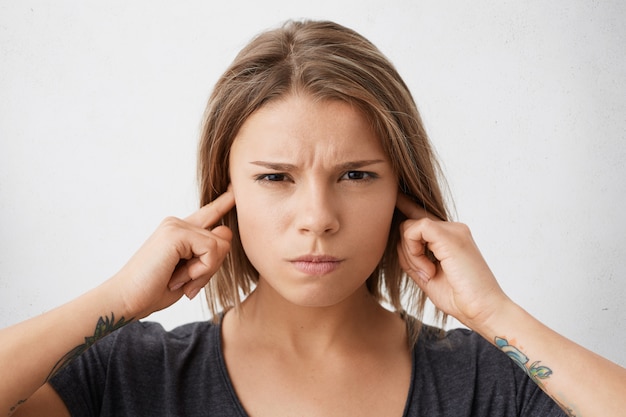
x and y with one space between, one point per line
377 229
258 223
249 233
368 237
247 212
375 214
375 226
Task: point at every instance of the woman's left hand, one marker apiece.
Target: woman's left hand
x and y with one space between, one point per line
459 282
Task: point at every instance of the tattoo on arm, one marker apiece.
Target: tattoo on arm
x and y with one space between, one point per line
104 326
12 409
535 371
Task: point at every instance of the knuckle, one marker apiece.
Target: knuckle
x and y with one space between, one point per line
407 225
211 246
464 234
200 268
463 229
170 222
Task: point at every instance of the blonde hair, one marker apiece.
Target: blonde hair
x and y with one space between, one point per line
326 61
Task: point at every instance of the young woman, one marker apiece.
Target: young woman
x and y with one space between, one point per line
321 203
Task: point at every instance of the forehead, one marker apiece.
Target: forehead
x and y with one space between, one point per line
301 124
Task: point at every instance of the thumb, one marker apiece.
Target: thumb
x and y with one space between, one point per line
223 232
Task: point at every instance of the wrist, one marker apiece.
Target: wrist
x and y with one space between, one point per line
110 299
499 321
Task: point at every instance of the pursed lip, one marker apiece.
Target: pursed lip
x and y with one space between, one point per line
316 258
316 264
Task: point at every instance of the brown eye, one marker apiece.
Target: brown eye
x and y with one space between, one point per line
271 177
358 175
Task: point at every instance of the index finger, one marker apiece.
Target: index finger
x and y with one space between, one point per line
211 213
410 209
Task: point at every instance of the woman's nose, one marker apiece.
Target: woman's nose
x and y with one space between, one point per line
317 211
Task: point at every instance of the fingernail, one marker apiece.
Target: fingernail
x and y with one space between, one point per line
192 294
176 286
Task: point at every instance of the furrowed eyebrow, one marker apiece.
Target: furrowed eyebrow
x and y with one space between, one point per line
280 166
276 166
359 164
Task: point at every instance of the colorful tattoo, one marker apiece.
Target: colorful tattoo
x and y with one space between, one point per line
535 371
104 327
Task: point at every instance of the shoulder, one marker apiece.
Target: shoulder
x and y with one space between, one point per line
178 364
458 372
148 330
150 339
462 353
144 342
455 342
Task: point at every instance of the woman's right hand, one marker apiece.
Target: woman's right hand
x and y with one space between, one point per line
178 259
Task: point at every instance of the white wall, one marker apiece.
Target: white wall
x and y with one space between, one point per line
100 104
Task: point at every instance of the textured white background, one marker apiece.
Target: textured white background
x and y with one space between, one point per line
100 105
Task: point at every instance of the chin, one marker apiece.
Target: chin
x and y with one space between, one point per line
322 298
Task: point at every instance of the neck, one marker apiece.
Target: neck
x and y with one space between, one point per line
267 316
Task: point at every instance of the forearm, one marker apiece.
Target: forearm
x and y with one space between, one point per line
462 285
581 382
31 352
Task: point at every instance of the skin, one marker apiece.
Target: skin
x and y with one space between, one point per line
315 196
309 341
181 251
311 180
581 382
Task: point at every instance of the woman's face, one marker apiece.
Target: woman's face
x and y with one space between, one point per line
315 194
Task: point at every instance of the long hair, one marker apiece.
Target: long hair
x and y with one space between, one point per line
331 62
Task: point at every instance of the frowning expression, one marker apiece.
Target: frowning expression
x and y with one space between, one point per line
315 194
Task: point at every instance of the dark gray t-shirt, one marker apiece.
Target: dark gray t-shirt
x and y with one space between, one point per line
143 370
